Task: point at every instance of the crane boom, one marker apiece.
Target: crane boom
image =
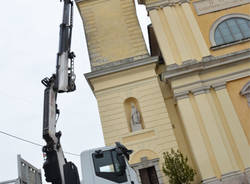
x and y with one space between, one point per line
65 77
57 169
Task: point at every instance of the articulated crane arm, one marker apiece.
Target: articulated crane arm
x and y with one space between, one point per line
57 169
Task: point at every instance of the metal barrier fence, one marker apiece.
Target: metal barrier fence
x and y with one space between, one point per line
27 173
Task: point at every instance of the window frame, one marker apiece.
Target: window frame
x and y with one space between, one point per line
220 20
115 176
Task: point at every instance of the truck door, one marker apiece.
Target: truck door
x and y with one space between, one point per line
108 170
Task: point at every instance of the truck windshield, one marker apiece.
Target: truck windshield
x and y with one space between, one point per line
107 162
107 166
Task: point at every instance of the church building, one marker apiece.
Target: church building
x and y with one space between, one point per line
191 92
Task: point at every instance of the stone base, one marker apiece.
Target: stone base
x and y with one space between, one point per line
236 177
136 127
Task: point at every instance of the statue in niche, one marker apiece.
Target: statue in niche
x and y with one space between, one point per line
135 118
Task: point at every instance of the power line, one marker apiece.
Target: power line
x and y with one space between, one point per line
31 142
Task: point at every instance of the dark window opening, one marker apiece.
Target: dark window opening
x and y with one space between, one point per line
148 175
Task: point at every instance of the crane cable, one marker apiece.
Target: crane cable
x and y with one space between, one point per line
31 142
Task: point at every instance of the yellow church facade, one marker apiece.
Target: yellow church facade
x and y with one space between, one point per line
191 92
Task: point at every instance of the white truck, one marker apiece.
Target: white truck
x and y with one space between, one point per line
107 165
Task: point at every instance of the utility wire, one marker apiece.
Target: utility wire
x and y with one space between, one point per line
24 140
31 142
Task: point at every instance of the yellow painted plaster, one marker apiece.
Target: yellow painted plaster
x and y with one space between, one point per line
240 104
223 130
112 30
210 123
143 153
235 127
142 84
199 79
139 136
226 134
178 34
229 69
194 132
180 134
123 77
206 21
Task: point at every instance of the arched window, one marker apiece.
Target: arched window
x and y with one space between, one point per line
230 28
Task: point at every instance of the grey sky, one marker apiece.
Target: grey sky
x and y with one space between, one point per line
28 46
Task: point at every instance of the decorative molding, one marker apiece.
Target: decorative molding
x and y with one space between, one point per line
247 170
161 3
123 88
119 68
230 44
208 6
236 177
209 62
230 174
245 91
149 134
122 67
219 86
201 90
181 95
119 62
221 19
218 80
210 180
145 163
203 86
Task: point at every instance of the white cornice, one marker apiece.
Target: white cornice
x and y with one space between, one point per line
119 68
193 67
164 3
207 63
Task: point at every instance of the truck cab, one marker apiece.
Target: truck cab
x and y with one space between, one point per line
107 165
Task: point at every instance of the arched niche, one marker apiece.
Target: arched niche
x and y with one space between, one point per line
130 104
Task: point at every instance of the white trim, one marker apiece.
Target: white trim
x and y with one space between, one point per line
221 19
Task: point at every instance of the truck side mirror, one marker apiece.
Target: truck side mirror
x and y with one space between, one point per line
122 149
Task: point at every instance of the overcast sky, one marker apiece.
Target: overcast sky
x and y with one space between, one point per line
28 45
